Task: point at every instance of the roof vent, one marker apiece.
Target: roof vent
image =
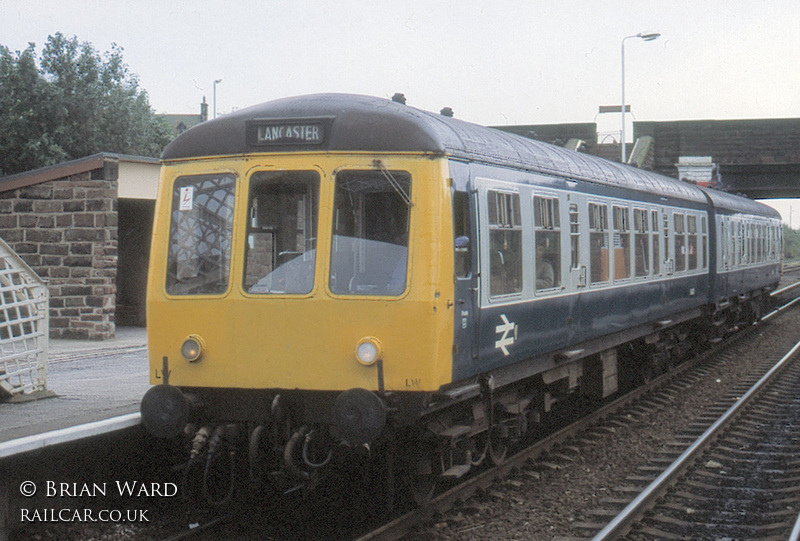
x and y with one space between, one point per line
447 111
399 98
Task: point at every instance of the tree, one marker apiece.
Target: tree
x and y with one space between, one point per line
791 243
74 103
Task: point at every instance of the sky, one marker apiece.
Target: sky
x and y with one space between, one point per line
494 62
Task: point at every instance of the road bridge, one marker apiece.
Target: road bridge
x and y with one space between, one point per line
759 158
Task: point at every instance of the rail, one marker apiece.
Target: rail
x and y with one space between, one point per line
623 521
795 535
24 327
785 289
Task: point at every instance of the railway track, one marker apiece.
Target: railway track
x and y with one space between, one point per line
738 479
554 453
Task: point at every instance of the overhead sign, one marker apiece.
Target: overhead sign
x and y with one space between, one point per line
613 109
274 132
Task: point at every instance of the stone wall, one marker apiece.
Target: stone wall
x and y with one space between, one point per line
66 229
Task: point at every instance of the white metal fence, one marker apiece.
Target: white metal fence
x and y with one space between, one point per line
24 326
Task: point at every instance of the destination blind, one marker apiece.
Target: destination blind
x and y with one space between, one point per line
289 132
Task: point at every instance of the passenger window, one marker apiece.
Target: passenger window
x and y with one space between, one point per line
704 240
773 243
761 239
642 241
505 243
547 233
680 243
691 223
667 253
598 243
742 242
574 236
723 251
622 243
656 244
369 246
748 243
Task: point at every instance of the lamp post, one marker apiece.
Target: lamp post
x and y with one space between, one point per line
215 96
646 37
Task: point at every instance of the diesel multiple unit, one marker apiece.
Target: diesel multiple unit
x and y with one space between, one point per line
337 277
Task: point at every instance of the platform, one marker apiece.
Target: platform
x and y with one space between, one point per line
89 381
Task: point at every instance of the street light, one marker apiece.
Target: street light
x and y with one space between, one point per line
645 37
215 96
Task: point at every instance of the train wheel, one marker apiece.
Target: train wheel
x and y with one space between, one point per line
425 472
758 305
646 373
498 444
481 443
382 477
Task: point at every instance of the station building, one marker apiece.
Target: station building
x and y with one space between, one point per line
84 226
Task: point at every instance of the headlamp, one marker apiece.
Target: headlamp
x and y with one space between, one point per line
192 348
368 350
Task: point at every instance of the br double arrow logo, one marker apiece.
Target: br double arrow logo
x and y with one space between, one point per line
509 330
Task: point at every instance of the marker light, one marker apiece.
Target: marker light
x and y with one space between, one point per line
368 350
192 348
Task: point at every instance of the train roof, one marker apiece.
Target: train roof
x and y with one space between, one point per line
345 122
735 203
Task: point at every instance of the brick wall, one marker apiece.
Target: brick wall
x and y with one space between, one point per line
558 134
758 141
66 229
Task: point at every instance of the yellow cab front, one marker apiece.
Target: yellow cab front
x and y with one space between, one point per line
315 271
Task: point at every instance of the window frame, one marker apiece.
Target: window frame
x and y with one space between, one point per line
259 176
180 204
504 220
364 241
598 227
547 225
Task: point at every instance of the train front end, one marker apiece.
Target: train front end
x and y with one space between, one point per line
298 298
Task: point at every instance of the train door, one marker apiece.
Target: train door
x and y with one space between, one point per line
465 335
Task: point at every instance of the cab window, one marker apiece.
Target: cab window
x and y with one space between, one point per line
462 256
369 247
281 232
200 235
